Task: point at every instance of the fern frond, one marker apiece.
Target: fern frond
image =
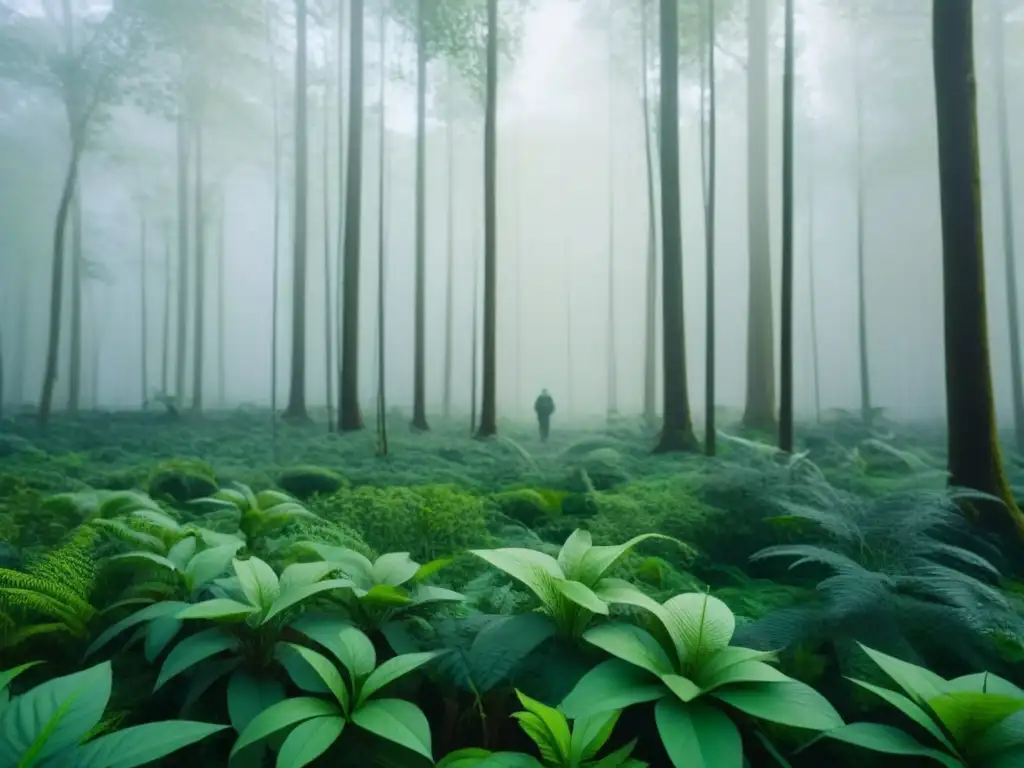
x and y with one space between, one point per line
124 531
71 565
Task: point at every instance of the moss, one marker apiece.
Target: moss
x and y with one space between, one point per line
530 506
305 482
182 480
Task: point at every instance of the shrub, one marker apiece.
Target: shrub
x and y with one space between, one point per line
306 482
182 480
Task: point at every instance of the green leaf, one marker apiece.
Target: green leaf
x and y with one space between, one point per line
571 554
324 670
598 560
309 740
258 581
910 709
10 674
159 634
546 727
296 595
398 721
150 612
427 570
726 658
385 595
985 682
790 703
354 565
620 758
209 564
611 685
348 644
303 574
700 626
885 738
630 643
205 676
283 715
590 734
159 519
481 758
149 557
503 644
391 670
142 744
696 735
249 694
531 568
193 650
744 672
182 552
621 592
218 609
684 688
55 715
394 568
581 595
423 594
919 683
967 714
1005 736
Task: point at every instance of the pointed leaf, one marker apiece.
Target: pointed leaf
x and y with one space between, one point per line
296 595
744 672
392 669
598 560
303 574
309 740
571 554
182 552
885 738
348 644
159 519
283 715
150 612
10 674
159 634
582 596
398 721
630 643
621 592
696 735
324 670
193 650
385 595
910 709
218 609
611 685
258 581
430 569
423 594
967 714
590 734
700 626
790 703
209 564
149 557
550 731
394 568
684 689
250 694
142 744
919 683
533 569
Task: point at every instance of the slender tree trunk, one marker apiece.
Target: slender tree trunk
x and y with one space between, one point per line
382 405
349 416
222 303
450 266
786 326
144 314
760 406
1009 236
677 427
862 311
709 138
651 298
276 248
328 313
199 309
22 338
342 205
296 410
419 408
165 357
569 389
183 237
974 454
77 291
489 405
613 389
812 283
474 363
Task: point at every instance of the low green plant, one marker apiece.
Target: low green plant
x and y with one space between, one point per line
260 515
317 723
559 745
182 480
56 723
974 721
685 664
573 588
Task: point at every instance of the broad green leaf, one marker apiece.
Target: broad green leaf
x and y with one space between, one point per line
598 560
726 658
193 650
354 565
391 670
470 757
159 634
533 726
611 685
219 609
590 734
61 711
324 670
546 727
348 644
303 574
621 592
696 735
1011 758
533 569
394 569
571 554
684 688
269 498
150 612
985 682
142 744
630 643
503 644
309 740
790 703
744 672
149 557
1005 736
205 676
283 715
296 595
620 758
182 552
481 758
10 674
885 738
424 593
209 564
396 720
967 714
919 683
385 595
432 568
258 581
159 519
582 596
298 669
910 709
250 694
700 626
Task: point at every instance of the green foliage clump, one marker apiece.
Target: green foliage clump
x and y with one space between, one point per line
427 521
182 480
306 482
529 506
604 468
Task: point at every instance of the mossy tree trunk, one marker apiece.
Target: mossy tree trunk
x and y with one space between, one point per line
974 455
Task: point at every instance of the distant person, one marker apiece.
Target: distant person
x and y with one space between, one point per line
544 406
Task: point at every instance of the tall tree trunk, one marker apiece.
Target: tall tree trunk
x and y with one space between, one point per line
183 249
20 363
349 416
382 405
474 362
709 137
651 297
296 410
489 404
569 389
862 310
222 304
812 285
974 455
77 291
677 427
342 205
144 314
786 326
760 405
1009 235
419 407
199 308
276 248
449 295
165 357
328 313
613 389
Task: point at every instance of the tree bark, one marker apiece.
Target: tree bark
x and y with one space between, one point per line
382 404
974 454
165 357
866 411
786 326
677 426
77 297
419 408
329 320
449 321
651 296
709 139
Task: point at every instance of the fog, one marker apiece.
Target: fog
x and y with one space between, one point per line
557 151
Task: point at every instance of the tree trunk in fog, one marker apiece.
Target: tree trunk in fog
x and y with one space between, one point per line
22 337
328 314
382 404
183 236
77 289
651 298
419 407
221 308
974 454
474 362
199 308
489 405
709 136
349 416
449 320
786 326
812 284
1009 236
165 357
340 239
143 313
276 247
677 427
759 413
296 410
613 393
862 311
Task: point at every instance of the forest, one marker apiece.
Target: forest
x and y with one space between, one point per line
511 383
